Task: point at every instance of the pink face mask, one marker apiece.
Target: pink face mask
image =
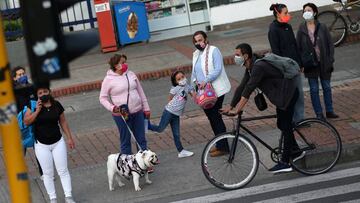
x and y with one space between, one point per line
124 67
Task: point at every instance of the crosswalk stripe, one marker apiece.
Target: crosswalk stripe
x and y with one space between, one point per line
316 194
274 186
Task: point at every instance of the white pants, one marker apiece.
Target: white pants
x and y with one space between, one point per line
47 155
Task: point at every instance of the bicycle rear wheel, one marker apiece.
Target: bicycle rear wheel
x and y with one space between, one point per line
322 146
336 24
230 175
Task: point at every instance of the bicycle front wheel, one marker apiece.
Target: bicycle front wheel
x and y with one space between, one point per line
321 144
336 24
226 173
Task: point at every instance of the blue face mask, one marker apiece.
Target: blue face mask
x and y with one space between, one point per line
23 79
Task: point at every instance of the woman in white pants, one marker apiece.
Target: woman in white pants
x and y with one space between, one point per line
50 145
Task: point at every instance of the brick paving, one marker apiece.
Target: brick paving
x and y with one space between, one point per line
92 148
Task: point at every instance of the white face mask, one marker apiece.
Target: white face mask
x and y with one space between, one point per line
308 15
183 82
239 60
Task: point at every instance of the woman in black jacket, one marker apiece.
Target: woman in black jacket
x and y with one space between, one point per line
283 43
317 53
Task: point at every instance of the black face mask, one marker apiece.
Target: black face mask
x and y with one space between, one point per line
198 46
45 98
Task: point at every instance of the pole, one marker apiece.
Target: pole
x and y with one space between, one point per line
10 133
209 14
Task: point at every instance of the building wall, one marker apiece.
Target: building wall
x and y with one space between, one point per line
251 9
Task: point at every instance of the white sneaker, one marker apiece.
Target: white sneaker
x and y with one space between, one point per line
69 200
185 153
53 201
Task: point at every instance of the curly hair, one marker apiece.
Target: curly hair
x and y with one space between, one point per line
114 60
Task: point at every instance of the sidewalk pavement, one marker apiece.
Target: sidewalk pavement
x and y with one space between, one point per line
178 176
159 59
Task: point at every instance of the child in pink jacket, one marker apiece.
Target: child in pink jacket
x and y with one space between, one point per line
121 93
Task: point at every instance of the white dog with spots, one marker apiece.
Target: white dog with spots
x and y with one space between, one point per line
135 165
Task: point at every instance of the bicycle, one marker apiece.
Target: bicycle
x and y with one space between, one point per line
315 137
337 24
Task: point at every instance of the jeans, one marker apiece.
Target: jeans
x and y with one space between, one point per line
217 123
174 121
284 123
136 125
49 154
299 106
315 98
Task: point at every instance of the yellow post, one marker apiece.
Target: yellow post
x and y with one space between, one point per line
10 133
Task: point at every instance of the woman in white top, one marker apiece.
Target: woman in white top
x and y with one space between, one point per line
215 75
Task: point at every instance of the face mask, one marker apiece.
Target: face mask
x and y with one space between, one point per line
239 60
45 98
124 67
183 82
23 80
308 15
285 18
200 46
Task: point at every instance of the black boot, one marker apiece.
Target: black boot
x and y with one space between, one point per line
331 115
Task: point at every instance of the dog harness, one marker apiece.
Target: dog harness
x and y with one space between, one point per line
127 163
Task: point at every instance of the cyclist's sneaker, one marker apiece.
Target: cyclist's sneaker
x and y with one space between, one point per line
298 156
218 152
281 168
185 153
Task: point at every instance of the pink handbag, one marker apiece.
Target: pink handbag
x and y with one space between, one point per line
206 98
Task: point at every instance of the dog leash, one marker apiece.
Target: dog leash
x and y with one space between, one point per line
131 133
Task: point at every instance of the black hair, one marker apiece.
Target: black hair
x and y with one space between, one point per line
313 7
200 32
14 70
245 49
277 8
173 77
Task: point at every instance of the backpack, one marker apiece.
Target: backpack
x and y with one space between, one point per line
288 67
27 132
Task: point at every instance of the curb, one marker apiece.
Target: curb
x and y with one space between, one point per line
152 75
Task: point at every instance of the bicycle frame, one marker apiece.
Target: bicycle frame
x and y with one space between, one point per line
237 133
346 5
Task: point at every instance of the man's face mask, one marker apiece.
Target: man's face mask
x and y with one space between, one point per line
23 79
239 60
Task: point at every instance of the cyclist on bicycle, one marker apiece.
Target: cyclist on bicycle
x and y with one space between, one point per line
282 92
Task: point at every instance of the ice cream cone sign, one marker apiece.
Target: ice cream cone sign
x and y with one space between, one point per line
132 25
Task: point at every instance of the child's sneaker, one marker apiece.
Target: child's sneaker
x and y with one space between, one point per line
185 153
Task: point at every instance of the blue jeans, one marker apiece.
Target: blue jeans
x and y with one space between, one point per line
136 124
174 121
299 106
315 98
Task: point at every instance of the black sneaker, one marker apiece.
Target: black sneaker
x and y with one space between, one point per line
298 156
331 115
281 168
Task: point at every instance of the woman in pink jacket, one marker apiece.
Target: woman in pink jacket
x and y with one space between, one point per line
122 94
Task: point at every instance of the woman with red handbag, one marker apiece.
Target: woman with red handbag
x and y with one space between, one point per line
212 83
